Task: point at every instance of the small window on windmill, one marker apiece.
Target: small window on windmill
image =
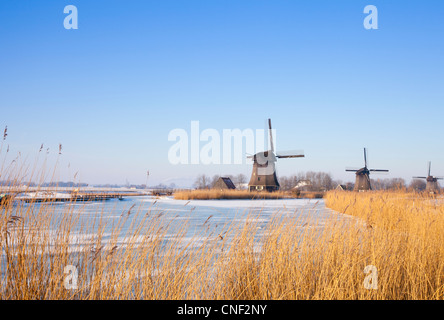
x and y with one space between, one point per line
258 178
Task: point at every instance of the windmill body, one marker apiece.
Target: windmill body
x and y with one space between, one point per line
263 177
432 182
362 182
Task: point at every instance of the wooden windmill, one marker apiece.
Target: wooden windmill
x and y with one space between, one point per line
363 175
432 182
263 177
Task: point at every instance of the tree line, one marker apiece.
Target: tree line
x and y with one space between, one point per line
313 181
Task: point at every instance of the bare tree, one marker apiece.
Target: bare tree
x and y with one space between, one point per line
202 182
239 180
396 184
417 185
318 181
388 184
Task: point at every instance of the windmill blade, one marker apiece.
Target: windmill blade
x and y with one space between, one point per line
419 177
351 169
290 154
379 171
430 166
365 157
271 135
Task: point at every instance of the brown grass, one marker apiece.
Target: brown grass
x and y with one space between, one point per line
297 258
210 194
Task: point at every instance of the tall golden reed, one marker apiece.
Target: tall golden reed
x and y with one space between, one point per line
210 194
295 256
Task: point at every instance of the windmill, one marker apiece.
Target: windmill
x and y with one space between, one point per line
263 177
363 175
432 182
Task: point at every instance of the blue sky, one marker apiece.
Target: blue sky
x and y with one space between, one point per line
113 89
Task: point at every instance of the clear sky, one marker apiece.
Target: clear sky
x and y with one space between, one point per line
112 90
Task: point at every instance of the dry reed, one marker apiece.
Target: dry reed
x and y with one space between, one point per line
295 256
210 194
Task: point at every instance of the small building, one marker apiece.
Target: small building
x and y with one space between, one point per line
303 185
224 183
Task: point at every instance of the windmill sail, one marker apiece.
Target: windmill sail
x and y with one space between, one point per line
271 135
290 154
365 158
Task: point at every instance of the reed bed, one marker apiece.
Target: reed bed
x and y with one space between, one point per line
405 237
229 194
294 257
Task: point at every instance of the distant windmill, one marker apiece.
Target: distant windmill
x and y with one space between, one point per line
363 175
264 176
432 182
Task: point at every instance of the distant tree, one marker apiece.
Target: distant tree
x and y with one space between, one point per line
388 184
288 183
285 183
350 185
202 182
379 184
239 180
417 185
396 184
318 181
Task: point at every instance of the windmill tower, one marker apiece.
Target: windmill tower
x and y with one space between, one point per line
263 177
363 175
432 182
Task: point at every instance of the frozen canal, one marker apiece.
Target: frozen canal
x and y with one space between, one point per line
196 218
